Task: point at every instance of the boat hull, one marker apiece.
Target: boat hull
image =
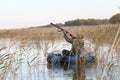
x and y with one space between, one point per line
65 62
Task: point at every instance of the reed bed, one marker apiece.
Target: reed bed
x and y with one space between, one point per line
98 34
19 46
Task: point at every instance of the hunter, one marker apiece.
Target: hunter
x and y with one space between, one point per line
77 46
77 42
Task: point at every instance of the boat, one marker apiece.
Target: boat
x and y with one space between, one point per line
57 60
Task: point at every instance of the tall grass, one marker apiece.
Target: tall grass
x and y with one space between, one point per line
98 34
36 41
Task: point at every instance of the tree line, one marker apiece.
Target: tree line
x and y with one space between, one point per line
77 22
115 19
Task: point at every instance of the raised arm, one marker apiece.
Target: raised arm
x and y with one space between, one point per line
68 38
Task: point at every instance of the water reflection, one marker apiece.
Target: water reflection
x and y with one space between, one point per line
54 74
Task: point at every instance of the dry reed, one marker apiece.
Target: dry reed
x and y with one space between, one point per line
30 39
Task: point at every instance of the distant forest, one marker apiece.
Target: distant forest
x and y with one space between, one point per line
115 19
77 22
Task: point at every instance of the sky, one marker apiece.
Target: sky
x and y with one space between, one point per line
28 13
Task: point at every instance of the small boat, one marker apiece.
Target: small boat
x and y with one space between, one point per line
60 61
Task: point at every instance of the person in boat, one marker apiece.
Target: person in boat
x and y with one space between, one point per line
77 46
76 42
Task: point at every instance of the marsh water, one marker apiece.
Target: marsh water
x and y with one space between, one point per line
26 60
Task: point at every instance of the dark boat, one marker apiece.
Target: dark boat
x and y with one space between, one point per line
65 62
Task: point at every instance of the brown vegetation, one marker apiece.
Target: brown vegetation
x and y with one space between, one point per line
98 34
103 34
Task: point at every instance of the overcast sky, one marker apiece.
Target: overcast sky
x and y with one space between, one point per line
27 13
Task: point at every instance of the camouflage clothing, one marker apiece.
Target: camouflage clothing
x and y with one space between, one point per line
77 46
77 43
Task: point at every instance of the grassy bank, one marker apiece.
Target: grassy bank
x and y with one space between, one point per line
98 34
